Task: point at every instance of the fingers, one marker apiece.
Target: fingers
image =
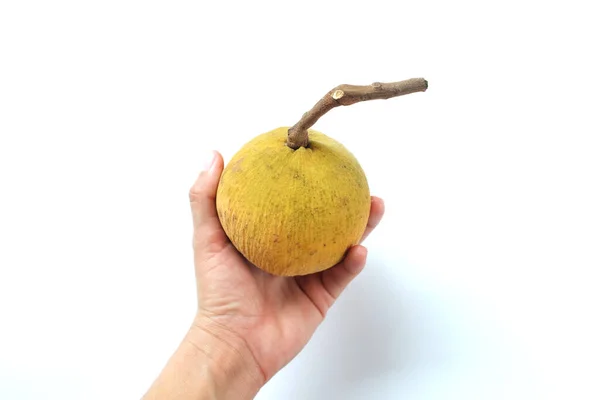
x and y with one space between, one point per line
375 215
207 228
325 287
338 277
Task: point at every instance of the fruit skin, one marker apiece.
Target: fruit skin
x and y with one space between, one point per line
293 212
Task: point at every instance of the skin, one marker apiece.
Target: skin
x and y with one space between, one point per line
249 324
265 174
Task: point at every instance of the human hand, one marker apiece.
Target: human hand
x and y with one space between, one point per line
249 324
273 317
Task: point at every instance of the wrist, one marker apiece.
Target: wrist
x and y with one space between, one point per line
233 370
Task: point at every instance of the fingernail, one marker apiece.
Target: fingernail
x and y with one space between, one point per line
209 160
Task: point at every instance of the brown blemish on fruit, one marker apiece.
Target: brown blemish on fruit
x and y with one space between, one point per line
237 167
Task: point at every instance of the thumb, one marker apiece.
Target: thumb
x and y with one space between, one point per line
207 227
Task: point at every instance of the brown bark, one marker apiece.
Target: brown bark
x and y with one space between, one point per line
345 95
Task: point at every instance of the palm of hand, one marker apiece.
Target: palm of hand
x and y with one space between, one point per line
275 316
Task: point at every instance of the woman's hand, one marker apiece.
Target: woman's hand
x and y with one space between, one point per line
258 322
274 316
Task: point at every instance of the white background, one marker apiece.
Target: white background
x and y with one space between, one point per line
482 279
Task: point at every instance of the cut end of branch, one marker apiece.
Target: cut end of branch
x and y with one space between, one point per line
345 95
338 94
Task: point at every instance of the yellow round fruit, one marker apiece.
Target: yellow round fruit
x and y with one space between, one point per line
292 200
293 212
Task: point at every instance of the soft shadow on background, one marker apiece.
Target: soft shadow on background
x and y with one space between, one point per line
375 332
398 333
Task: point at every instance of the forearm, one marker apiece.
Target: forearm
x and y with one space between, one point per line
210 364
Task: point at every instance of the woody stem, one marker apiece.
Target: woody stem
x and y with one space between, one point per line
345 95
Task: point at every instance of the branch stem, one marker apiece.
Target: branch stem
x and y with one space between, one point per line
345 95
